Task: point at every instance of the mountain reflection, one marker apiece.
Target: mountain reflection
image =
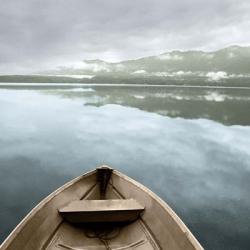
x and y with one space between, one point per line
228 106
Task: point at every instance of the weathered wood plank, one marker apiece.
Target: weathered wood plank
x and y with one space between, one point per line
85 211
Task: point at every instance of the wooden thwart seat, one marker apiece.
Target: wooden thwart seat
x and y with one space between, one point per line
95 211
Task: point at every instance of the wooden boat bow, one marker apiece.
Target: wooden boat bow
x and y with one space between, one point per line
102 209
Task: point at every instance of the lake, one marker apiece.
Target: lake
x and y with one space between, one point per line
189 145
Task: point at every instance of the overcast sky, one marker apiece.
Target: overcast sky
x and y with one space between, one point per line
40 34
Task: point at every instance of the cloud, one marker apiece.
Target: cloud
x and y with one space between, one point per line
170 57
216 76
176 73
141 71
72 76
214 96
42 34
139 96
78 90
93 67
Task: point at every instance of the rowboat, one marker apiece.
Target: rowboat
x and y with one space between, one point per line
102 209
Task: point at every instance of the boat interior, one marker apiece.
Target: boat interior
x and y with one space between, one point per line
102 219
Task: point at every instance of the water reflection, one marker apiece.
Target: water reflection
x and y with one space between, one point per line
200 167
228 106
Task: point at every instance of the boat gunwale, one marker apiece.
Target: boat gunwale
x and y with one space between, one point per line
41 204
166 207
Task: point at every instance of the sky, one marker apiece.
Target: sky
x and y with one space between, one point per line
43 34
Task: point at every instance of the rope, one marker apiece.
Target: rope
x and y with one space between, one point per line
104 235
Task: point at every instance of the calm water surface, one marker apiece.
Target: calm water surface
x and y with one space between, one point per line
190 146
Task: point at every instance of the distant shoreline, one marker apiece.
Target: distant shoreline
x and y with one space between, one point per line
117 85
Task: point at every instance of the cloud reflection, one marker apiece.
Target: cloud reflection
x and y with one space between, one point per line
200 167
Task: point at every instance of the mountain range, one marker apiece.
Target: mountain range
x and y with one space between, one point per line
224 65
